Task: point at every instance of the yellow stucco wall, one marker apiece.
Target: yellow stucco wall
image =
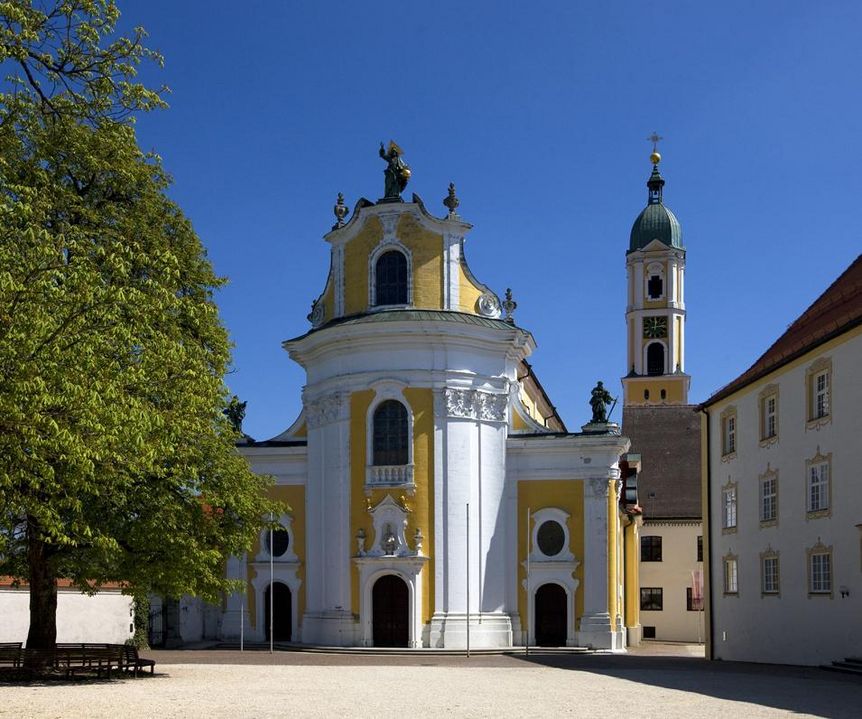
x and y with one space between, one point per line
468 293
421 403
294 497
567 495
356 255
426 249
675 387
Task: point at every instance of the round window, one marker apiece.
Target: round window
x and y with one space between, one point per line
280 542
551 537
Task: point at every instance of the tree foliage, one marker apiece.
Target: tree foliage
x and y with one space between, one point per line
117 463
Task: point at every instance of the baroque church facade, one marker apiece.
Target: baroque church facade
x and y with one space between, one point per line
434 495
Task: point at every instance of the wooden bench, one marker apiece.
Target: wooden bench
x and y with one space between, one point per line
10 654
73 658
133 663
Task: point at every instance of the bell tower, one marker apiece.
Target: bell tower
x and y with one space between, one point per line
655 310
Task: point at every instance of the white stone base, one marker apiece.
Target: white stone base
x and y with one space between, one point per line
634 635
331 629
487 631
596 633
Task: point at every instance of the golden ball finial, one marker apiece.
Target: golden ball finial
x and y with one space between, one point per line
655 158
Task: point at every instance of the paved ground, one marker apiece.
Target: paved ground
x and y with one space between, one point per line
659 681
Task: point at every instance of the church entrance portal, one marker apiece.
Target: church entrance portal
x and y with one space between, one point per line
390 607
551 616
282 612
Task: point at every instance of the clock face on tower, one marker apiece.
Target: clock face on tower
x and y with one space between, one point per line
655 327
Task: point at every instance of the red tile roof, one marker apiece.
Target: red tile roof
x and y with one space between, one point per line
836 311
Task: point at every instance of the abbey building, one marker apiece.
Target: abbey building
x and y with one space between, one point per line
432 487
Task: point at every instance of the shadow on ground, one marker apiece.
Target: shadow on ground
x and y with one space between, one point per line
803 690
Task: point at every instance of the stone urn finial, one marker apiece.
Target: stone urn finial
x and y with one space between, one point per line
509 306
451 201
340 211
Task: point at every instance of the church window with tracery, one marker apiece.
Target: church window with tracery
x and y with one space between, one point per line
390 434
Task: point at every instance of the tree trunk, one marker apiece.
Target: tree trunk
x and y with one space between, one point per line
43 591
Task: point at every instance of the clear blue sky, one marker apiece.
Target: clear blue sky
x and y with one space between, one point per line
539 112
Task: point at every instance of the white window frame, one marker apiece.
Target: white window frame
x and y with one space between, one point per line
655 269
380 250
731 574
819 394
770 573
818 474
768 503
384 390
729 427
820 570
768 403
729 507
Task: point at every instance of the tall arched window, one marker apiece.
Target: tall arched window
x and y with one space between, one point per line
655 359
390 434
390 279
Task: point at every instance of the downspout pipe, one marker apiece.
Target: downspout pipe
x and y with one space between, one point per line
708 533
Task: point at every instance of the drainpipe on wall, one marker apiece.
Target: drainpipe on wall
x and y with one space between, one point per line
707 533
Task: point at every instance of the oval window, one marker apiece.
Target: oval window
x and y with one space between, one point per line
280 542
551 537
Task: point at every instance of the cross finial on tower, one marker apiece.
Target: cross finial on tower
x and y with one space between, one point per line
655 138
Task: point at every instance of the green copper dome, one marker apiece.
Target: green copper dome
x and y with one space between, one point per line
656 222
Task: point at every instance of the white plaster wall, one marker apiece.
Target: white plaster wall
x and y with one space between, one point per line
105 617
793 627
674 622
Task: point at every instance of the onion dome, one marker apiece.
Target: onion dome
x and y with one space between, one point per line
656 222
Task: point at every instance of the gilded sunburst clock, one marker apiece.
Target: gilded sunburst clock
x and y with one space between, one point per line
655 327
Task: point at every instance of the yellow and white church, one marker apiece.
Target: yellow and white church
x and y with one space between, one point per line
432 487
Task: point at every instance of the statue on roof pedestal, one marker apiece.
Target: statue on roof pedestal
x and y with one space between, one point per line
396 174
599 397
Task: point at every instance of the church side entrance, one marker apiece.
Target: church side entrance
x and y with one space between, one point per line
390 604
282 612
551 616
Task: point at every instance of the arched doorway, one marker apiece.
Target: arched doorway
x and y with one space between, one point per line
551 615
282 612
390 609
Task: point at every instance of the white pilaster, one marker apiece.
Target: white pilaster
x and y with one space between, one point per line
328 619
596 628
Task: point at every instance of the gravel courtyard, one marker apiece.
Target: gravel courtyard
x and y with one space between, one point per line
256 684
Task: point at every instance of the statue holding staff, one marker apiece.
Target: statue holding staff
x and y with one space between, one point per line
599 398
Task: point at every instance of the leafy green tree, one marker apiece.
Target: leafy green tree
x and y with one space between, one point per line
117 463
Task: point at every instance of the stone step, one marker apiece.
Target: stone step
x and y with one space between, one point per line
845 667
396 651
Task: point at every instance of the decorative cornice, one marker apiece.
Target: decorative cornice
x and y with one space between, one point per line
476 404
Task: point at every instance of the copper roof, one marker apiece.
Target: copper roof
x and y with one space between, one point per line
837 310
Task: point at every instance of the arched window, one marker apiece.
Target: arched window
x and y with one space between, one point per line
390 279
655 359
390 434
